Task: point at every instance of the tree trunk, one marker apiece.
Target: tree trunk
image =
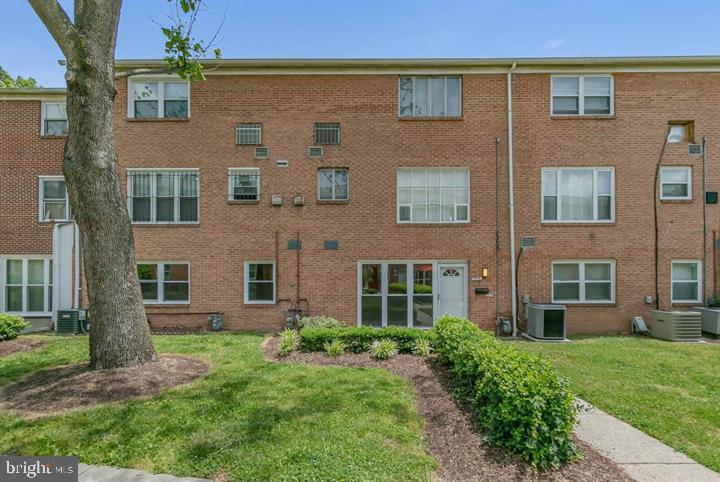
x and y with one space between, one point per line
119 334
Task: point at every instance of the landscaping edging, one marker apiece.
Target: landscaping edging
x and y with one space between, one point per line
449 433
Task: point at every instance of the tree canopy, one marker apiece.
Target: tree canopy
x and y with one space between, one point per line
6 80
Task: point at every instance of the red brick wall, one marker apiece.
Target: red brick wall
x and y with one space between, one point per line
374 144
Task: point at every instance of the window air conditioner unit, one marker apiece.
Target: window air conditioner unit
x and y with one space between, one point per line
676 325
546 322
315 152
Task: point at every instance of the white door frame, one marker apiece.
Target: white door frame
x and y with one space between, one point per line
464 266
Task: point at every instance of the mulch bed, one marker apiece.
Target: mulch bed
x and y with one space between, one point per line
70 387
19 344
448 429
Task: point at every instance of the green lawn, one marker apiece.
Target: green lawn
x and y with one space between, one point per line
248 419
668 390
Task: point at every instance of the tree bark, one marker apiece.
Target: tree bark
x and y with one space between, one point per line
119 334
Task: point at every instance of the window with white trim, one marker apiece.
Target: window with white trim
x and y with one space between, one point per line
259 282
164 282
154 99
433 195
675 183
583 281
54 201
328 134
578 195
27 286
248 134
244 184
54 119
163 197
686 281
396 293
430 97
333 184
582 94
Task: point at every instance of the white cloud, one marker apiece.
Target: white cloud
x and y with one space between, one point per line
553 43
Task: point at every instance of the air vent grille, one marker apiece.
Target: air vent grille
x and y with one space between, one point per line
527 242
695 149
281 163
315 152
262 152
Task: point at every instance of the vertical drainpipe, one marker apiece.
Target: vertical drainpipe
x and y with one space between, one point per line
513 268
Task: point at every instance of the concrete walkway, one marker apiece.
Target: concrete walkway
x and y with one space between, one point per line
643 457
96 473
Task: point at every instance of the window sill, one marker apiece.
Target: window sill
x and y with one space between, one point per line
436 224
578 223
54 221
680 201
582 117
160 304
261 303
158 119
585 304
333 201
166 225
243 201
50 137
431 119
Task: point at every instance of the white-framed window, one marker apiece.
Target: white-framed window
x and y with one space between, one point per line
433 195
54 120
248 134
27 285
675 183
578 194
333 184
583 281
164 283
259 282
582 94
430 96
244 184
397 293
153 98
163 196
54 201
327 133
686 281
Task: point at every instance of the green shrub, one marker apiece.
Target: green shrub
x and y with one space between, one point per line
289 342
320 322
421 347
11 326
517 398
383 349
334 348
357 339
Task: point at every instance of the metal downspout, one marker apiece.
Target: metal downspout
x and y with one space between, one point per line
511 202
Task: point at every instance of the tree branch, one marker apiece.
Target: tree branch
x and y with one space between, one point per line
57 22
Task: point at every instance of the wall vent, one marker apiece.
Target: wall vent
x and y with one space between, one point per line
262 152
299 200
277 200
281 163
315 152
527 242
695 149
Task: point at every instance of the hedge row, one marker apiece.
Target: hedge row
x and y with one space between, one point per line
518 399
359 338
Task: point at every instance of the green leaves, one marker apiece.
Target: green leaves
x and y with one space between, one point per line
518 399
11 326
358 339
289 342
6 81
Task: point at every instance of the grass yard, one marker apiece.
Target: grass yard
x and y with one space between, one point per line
248 419
668 390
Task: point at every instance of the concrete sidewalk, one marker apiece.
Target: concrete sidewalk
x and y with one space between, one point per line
96 473
643 457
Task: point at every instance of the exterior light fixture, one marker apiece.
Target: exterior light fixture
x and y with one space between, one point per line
484 273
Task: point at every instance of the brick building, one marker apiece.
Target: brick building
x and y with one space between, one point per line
378 191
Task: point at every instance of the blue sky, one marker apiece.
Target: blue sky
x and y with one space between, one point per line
391 28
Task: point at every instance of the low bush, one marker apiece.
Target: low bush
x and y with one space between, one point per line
421 347
320 322
383 349
358 339
289 342
334 348
517 398
11 326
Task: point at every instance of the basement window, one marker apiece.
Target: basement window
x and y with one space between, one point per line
260 282
583 281
164 282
